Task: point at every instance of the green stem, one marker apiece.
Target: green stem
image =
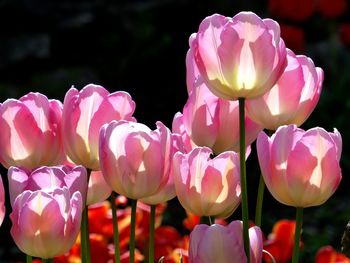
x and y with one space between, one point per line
243 179
29 259
46 260
151 234
84 232
210 220
115 229
259 201
132 231
297 234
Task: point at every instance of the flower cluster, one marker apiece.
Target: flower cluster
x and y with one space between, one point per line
241 79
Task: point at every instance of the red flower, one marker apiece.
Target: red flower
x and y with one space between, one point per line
295 10
294 37
332 8
327 254
280 242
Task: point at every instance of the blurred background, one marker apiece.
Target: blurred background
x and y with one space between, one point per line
140 46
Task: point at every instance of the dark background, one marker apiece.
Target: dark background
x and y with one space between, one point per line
140 47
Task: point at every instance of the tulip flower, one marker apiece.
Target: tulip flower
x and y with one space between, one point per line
75 179
283 105
239 57
214 122
328 254
280 242
98 189
84 113
31 132
181 138
207 187
294 10
300 168
46 223
2 202
224 244
135 160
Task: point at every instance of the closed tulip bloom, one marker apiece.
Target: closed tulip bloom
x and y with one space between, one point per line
2 202
46 223
284 105
205 186
135 160
75 179
300 168
31 132
214 122
239 57
84 113
224 244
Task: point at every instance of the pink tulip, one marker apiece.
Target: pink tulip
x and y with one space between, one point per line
84 113
98 189
31 132
224 244
214 122
239 57
300 168
135 160
292 99
48 178
205 186
2 202
46 223
182 139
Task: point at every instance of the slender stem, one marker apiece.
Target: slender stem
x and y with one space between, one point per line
29 259
151 234
84 232
297 234
243 178
46 260
115 230
259 201
210 220
132 231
